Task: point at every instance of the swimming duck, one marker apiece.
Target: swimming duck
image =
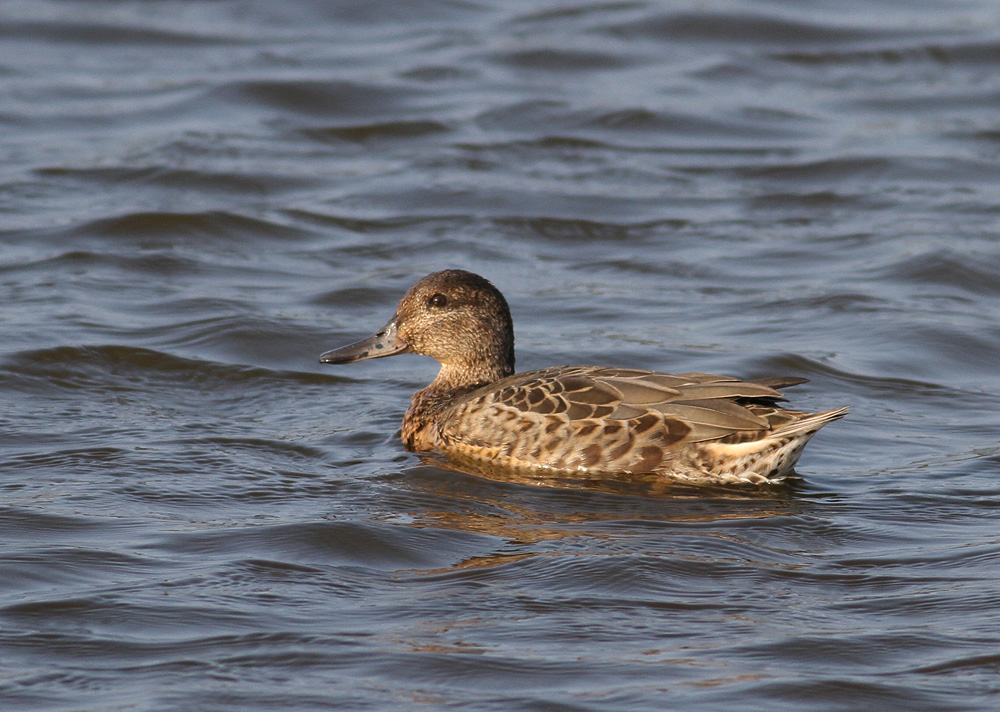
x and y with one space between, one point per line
589 421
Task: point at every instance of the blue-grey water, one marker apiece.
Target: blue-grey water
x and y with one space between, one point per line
198 197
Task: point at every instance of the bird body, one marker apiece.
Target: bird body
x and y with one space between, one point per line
591 421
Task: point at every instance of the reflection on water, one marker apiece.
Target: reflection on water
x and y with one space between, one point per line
580 508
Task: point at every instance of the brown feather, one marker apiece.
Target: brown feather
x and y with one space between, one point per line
593 421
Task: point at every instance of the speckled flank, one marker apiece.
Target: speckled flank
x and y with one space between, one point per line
589 420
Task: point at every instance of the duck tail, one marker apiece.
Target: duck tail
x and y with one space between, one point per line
809 424
779 382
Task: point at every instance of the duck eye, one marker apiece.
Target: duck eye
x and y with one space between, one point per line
438 300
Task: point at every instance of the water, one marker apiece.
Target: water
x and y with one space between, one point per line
198 198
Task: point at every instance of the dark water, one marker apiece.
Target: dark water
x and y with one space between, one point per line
199 197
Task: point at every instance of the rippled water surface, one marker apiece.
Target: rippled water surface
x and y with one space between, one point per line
199 197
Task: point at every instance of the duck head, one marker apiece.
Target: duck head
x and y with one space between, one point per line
457 318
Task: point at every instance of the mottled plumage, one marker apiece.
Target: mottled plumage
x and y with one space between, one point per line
576 420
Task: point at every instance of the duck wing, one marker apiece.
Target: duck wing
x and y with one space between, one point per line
707 405
617 419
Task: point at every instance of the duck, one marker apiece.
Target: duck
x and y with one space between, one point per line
576 421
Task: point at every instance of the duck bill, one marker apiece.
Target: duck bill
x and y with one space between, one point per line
385 343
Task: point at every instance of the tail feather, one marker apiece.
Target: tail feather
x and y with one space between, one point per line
811 423
778 382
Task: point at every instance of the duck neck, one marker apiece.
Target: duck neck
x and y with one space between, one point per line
463 377
453 381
